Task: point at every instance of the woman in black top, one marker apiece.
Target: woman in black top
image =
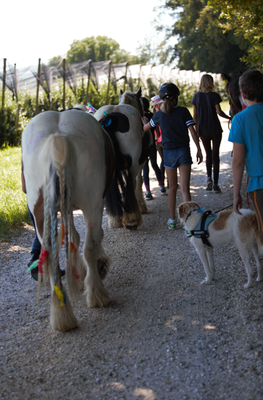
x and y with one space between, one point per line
206 107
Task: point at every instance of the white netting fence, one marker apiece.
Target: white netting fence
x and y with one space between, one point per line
98 72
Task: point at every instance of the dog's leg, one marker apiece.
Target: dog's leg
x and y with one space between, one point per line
244 253
256 255
211 261
200 247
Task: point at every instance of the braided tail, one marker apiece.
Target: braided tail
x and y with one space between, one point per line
62 316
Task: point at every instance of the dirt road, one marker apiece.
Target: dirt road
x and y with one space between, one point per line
164 337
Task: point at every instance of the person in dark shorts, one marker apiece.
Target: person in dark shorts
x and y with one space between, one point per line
206 106
174 122
246 134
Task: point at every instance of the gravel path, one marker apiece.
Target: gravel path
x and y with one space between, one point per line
164 337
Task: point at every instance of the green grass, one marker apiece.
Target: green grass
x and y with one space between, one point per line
13 204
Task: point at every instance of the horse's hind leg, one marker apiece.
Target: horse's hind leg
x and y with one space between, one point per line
132 217
96 294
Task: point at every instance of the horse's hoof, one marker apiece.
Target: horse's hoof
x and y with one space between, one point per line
102 268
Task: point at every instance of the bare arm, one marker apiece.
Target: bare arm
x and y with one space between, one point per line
146 124
195 114
238 168
221 112
199 155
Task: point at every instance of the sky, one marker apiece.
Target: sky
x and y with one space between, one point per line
30 30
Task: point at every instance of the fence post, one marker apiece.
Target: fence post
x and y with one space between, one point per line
108 90
15 80
3 88
125 79
139 79
64 83
38 81
87 93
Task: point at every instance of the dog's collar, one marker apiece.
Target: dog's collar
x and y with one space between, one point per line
199 210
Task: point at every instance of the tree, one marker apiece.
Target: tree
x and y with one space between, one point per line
152 53
245 18
202 43
55 61
100 48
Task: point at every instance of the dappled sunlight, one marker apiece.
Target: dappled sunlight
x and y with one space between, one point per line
117 386
209 327
145 394
15 248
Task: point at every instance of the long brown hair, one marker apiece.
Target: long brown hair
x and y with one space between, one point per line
207 84
169 104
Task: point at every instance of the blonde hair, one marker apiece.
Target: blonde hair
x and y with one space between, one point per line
169 104
207 83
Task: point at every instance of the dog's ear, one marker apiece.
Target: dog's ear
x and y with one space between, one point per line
181 210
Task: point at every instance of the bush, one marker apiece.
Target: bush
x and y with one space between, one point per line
9 135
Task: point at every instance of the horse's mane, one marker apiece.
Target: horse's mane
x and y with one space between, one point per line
132 99
128 98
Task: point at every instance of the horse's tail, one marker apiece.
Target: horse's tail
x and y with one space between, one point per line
57 197
120 197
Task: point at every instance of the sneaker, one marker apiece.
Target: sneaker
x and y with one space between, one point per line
217 189
148 196
34 256
209 185
173 225
162 189
34 272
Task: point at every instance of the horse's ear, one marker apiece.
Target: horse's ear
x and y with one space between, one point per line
225 77
139 93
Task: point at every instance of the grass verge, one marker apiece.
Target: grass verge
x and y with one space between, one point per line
13 204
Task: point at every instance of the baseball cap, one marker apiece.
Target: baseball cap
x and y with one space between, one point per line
156 100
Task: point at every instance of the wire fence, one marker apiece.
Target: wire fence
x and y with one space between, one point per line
99 73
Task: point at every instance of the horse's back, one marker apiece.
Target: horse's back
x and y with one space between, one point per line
88 148
129 134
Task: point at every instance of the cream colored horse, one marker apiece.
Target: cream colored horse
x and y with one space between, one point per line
68 163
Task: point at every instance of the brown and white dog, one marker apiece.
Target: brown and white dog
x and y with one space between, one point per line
228 228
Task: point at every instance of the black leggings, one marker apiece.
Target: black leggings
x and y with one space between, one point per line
155 167
212 155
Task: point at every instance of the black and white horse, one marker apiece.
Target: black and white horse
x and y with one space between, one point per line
136 144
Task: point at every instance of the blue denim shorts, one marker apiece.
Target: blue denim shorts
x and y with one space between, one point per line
173 159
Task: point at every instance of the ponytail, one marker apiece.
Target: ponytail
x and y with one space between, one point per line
169 104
